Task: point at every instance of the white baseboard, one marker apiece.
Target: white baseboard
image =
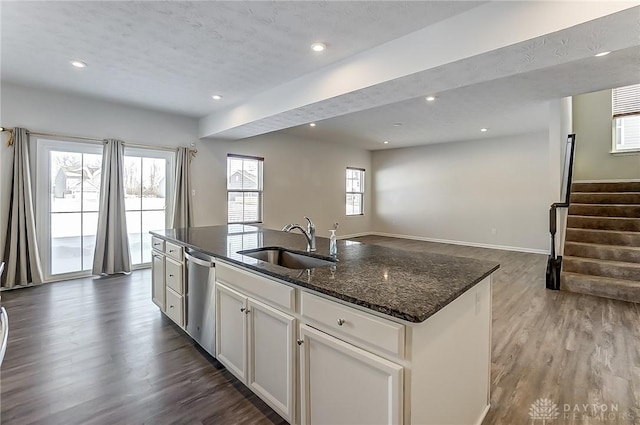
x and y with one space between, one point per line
483 415
607 181
354 235
463 243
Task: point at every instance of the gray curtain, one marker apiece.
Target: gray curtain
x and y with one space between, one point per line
112 244
21 253
182 213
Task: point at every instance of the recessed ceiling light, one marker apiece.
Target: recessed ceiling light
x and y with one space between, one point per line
386 142
216 97
318 47
398 124
78 64
430 98
484 129
602 54
312 124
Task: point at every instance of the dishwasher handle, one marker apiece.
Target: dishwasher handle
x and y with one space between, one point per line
199 261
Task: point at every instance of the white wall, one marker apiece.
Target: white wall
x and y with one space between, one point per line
593 126
461 191
301 177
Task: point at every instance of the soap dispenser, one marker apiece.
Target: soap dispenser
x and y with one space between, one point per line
333 246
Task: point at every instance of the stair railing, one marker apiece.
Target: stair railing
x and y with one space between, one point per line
554 264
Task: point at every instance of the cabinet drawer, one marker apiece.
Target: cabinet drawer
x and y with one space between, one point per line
173 275
274 293
157 244
353 324
174 251
175 303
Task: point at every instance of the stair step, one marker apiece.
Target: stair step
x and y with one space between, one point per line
604 268
605 198
603 223
630 211
617 289
604 237
627 254
606 187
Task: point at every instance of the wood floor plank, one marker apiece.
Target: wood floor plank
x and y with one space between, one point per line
98 351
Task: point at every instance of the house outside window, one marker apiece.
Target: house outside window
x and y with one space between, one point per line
244 189
626 119
355 191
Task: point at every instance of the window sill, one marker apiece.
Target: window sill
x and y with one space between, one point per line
626 152
355 215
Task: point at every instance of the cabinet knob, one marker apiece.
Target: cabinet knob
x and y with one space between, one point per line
300 341
171 250
245 310
341 322
170 306
170 275
157 244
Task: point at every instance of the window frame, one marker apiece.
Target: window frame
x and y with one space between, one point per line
352 193
259 191
627 108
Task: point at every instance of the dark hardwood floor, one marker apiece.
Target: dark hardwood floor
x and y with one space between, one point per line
98 351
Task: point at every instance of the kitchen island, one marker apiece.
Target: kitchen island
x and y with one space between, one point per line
378 336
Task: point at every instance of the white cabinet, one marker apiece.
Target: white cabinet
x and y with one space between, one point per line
343 384
271 357
256 343
157 279
231 330
167 279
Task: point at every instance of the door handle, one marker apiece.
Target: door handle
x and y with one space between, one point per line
199 261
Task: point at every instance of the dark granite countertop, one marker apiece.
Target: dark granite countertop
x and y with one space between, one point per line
404 284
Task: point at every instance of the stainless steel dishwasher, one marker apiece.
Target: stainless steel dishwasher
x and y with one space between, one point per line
200 299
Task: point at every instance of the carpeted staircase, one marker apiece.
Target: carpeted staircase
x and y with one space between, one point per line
602 247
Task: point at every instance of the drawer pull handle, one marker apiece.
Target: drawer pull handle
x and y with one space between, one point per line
170 275
300 341
157 244
170 306
171 250
341 322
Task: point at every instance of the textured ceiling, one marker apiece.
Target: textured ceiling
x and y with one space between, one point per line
506 106
534 60
174 55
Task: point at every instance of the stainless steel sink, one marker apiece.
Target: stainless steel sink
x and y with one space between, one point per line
285 258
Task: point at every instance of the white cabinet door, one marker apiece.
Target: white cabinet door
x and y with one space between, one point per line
271 357
345 385
157 279
231 333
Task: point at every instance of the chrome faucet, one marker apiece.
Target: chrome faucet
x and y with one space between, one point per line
310 233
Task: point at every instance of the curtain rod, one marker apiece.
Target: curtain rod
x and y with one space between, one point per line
94 140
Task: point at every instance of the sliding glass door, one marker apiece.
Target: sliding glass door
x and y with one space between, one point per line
68 176
68 194
148 178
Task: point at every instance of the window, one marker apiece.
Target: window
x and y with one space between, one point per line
148 178
626 118
68 195
355 191
244 189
